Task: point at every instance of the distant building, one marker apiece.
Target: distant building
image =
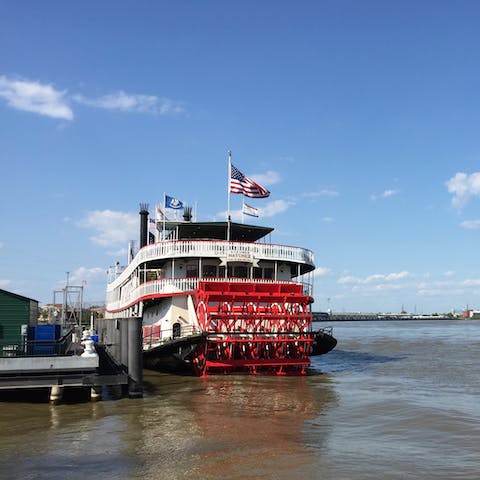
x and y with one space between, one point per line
16 313
99 311
52 312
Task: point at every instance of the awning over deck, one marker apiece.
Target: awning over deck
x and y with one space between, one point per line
239 232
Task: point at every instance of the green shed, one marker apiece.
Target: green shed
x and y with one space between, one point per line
15 312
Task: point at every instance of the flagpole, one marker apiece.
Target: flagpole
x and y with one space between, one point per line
228 203
243 209
164 213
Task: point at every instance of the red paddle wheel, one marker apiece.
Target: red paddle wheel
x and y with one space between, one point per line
253 328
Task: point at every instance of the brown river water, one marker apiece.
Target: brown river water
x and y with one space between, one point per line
394 400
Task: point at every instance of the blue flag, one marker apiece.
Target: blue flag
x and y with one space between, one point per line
174 203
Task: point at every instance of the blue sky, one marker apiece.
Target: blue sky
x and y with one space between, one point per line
360 117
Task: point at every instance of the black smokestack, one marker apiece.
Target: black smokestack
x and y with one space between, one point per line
187 214
143 224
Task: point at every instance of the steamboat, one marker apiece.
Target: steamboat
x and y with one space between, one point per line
212 305
217 297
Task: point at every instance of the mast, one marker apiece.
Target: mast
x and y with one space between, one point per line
164 214
228 183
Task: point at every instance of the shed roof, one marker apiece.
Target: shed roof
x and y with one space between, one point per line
16 295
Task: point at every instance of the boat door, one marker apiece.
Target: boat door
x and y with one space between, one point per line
177 330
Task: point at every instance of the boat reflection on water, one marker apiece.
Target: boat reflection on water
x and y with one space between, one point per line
235 427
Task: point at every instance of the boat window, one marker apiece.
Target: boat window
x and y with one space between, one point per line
152 275
268 273
192 271
257 272
209 270
241 272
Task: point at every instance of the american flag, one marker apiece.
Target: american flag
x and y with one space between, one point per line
152 224
239 183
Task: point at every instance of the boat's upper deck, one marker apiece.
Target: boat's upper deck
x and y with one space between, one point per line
226 251
237 232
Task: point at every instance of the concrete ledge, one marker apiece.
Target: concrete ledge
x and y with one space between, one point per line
47 364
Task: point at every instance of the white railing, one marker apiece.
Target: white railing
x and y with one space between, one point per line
231 251
152 338
172 286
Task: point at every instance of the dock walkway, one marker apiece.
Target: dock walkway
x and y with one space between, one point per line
59 371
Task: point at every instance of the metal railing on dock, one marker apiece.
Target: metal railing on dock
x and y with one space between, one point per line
34 348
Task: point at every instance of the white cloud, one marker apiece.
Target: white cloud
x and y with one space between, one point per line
113 228
386 194
448 287
463 186
35 97
122 252
390 277
417 285
471 282
4 283
133 102
438 292
349 279
266 179
44 99
275 207
327 219
378 277
445 284
376 283
471 224
86 274
321 271
381 287
324 192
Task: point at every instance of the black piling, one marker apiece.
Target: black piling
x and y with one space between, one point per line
123 357
135 358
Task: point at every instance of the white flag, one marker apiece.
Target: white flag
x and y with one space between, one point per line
248 210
